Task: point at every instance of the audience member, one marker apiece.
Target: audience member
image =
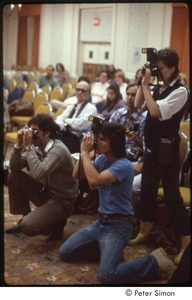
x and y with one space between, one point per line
41 172
75 117
56 104
120 80
161 159
99 90
61 74
112 173
113 102
133 120
79 119
130 117
48 78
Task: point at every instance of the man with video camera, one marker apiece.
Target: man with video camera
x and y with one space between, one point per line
113 174
161 136
41 172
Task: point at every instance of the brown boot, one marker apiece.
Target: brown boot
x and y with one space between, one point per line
143 236
166 265
185 240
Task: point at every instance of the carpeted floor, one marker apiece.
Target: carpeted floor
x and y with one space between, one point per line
33 261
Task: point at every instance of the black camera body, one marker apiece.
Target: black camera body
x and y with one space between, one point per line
97 124
151 60
134 126
35 134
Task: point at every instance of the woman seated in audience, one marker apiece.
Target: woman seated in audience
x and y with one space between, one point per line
113 102
61 74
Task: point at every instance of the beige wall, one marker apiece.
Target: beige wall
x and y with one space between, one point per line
67 34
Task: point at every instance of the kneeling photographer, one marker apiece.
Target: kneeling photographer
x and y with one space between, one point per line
41 172
161 159
112 173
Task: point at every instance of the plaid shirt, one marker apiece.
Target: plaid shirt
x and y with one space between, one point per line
122 116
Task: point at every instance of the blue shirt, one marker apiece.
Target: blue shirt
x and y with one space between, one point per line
116 197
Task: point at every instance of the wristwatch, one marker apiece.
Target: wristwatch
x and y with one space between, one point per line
28 148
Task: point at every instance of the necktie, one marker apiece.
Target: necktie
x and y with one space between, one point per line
73 111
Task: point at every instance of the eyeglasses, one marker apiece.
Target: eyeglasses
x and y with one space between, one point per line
81 90
131 94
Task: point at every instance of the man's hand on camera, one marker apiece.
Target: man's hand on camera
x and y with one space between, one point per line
19 142
133 136
27 136
146 77
87 144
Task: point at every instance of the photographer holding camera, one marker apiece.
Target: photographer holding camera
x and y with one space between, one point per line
162 154
113 174
41 172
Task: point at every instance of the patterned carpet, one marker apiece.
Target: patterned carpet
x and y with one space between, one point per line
34 261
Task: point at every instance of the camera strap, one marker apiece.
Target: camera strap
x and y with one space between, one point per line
72 113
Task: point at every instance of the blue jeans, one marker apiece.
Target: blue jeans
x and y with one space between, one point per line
105 242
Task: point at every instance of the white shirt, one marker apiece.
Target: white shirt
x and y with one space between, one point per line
171 104
122 89
99 92
81 122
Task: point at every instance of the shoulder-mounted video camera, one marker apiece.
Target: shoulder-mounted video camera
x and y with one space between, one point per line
97 124
151 60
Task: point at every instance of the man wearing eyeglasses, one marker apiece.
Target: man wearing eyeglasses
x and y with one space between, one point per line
75 117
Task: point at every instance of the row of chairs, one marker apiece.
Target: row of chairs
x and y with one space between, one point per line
41 107
59 93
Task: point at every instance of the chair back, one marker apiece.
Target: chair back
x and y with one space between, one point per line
66 88
34 85
184 150
185 128
71 93
58 112
47 89
29 95
22 84
44 108
12 84
39 99
57 93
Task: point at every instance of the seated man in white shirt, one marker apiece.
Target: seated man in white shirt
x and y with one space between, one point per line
75 117
99 90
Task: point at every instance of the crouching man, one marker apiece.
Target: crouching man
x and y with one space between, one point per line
41 172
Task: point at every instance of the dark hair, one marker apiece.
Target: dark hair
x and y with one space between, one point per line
61 65
132 84
45 123
110 104
170 58
116 133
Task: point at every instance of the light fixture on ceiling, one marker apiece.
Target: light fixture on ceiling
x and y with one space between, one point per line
8 10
